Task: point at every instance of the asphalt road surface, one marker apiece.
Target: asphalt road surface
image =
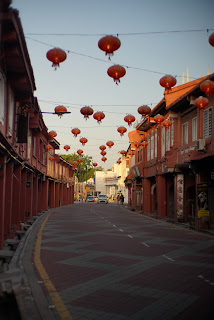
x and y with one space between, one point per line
97 261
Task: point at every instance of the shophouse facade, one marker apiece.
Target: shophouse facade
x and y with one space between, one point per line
177 166
32 179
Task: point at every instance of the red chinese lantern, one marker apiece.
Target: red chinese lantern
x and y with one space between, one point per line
56 56
121 130
79 152
211 39
144 110
116 72
75 132
48 147
168 82
94 164
110 144
201 102
167 123
119 161
51 158
102 147
123 152
52 134
207 86
86 111
144 144
129 119
60 110
109 44
83 141
137 144
103 153
159 119
79 160
74 163
99 116
104 159
66 147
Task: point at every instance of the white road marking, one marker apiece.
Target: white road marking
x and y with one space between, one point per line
121 230
129 236
114 226
145 244
168 257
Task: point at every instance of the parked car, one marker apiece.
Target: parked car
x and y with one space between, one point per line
90 199
102 198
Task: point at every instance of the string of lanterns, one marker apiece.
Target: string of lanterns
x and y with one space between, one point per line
109 44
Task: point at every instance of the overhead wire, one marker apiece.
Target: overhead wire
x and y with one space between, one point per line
125 34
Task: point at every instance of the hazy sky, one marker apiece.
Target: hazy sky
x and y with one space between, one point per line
146 44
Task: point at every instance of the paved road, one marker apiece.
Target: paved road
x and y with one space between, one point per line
100 261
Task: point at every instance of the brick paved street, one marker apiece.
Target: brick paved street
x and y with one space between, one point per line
107 262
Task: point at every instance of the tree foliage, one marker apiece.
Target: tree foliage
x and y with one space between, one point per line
85 169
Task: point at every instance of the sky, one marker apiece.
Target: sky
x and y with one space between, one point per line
150 48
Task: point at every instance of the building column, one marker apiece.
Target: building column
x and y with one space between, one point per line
39 205
45 186
146 195
29 194
60 194
8 198
35 207
23 211
57 184
161 195
16 195
2 197
52 191
64 202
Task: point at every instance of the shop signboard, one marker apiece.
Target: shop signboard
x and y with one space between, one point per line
203 209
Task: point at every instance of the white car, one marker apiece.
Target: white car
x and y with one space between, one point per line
102 198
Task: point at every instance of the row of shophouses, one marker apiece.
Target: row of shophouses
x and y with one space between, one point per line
32 178
173 177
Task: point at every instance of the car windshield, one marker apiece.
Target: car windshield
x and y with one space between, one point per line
90 198
102 196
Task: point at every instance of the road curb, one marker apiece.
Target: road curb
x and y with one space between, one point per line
30 297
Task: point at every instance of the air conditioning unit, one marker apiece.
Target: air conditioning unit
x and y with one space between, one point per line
200 144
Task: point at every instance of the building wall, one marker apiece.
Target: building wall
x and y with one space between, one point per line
172 168
29 181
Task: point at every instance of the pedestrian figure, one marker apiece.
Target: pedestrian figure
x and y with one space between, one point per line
118 199
121 198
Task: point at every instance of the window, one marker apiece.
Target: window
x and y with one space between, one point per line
194 129
152 146
163 142
156 146
148 148
208 123
34 146
2 98
185 133
172 133
167 139
11 112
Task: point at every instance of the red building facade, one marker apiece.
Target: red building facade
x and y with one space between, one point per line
32 179
168 177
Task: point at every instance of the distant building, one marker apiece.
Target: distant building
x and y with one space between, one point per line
106 183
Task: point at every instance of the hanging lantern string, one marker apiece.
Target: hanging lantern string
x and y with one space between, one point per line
119 34
107 61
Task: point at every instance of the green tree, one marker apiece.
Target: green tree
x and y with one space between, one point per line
85 169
